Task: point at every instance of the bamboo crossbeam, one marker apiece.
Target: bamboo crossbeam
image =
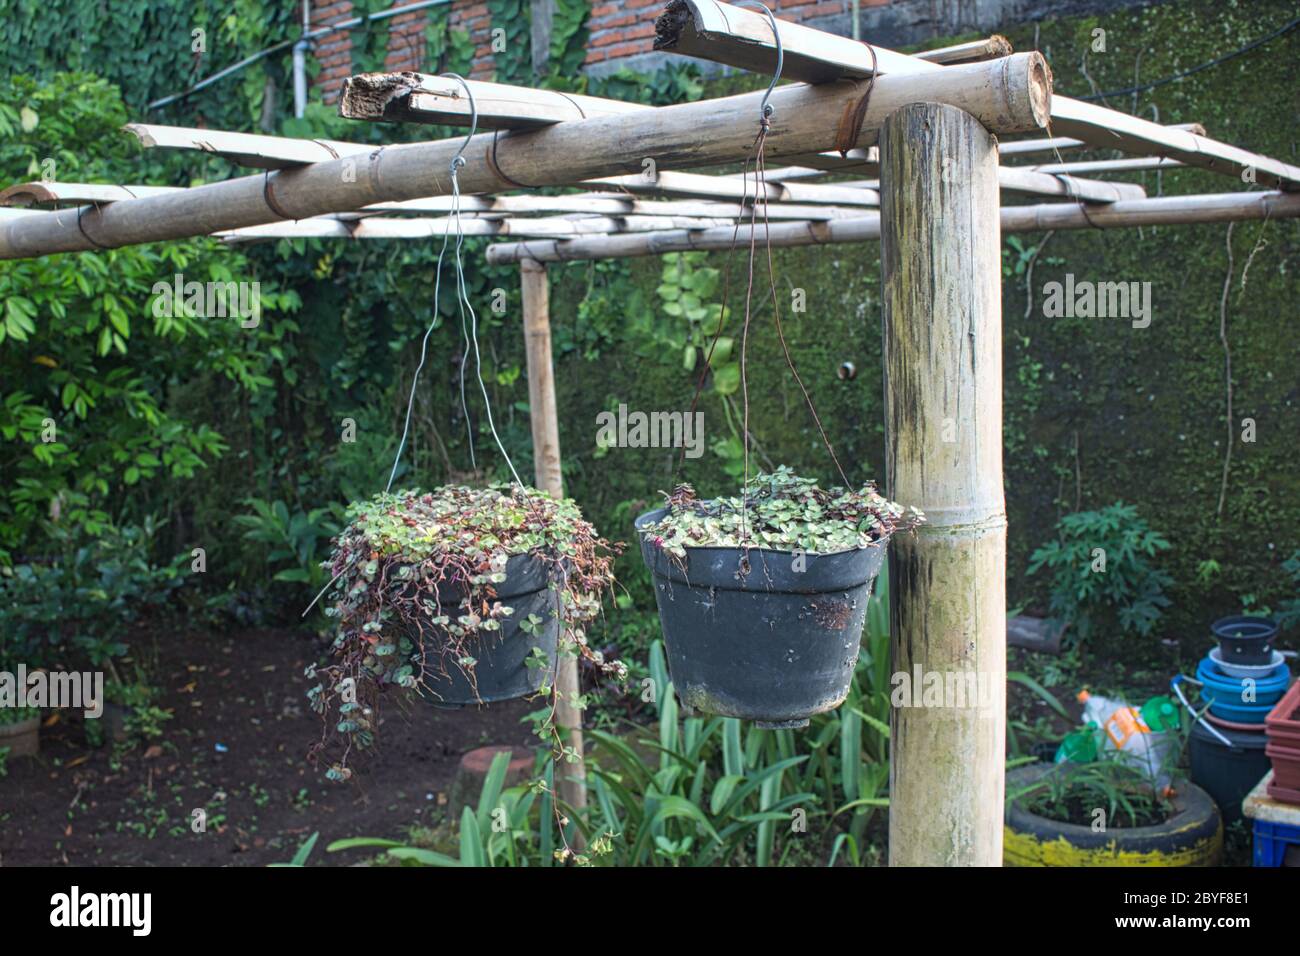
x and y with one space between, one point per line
42 193
1161 211
246 149
867 161
422 98
737 37
728 187
1137 164
1007 95
1054 144
377 227
611 204
1036 183
989 48
588 204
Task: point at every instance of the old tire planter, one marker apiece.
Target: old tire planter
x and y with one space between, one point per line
1193 836
776 645
500 672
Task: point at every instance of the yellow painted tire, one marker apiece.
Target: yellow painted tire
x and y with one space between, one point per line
1193 836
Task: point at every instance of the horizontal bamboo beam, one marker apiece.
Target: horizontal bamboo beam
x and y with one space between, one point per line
43 193
723 33
422 98
867 161
1054 144
1162 211
1007 95
989 48
729 187
246 149
1034 183
611 204
328 227
1138 164
605 204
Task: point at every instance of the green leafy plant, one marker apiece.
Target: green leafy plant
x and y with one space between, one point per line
294 537
1073 792
16 715
83 598
502 830
400 551
1102 572
781 511
1288 609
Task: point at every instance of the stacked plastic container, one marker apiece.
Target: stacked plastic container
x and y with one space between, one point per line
1283 748
1246 683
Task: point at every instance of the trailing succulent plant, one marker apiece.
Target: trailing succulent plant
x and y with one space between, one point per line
781 511
402 558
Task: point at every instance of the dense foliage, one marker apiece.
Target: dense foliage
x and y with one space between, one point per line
1103 574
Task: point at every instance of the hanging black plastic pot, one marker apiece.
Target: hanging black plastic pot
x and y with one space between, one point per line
500 671
1245 639
775 645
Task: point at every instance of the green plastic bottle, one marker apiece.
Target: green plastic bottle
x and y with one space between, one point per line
1080 746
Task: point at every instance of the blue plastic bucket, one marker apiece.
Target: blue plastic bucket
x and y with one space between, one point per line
1224 693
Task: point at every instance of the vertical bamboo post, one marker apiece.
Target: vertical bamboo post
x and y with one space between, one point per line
942 297
571 777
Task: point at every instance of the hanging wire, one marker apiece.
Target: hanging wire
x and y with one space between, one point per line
765 109
469 331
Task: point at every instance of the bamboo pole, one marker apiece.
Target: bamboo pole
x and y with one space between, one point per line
331 227
1007 95
986 49
942 304
571 778
1163 211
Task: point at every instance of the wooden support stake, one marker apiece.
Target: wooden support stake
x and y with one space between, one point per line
942 303
571 778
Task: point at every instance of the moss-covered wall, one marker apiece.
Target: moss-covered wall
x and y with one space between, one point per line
1096 410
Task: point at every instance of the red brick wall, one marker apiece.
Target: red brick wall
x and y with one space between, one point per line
618 28
626 27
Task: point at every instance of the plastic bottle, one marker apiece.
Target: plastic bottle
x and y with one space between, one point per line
1141 737
1079 746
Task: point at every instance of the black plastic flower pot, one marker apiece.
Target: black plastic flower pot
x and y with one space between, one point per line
500 671
775 645
1245 639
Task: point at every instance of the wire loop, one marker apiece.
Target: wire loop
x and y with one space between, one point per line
765 109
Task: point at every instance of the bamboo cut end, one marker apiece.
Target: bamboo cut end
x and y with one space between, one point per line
369 96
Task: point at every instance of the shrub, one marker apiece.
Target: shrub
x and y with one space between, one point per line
1102 573
81 602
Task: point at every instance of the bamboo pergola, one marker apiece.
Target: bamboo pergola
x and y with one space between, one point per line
931 132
